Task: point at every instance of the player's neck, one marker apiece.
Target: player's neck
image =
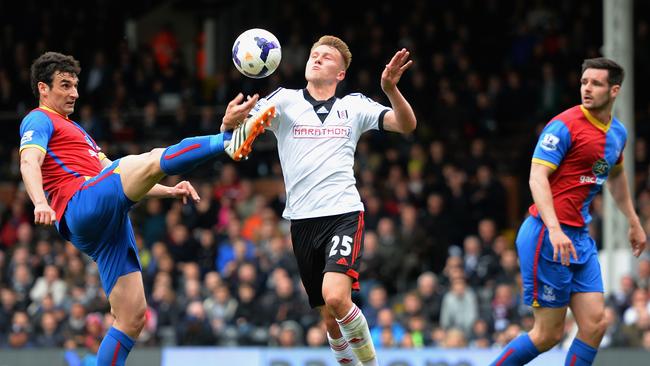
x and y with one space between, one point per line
603 115
47 107
321 91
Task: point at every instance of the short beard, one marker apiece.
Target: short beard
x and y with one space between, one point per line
600 106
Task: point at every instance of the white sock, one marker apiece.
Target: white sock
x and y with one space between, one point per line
342 351
355 330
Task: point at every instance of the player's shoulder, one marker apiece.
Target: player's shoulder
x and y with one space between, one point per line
281 92
356 96
36 117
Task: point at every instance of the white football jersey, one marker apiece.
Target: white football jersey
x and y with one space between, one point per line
316 145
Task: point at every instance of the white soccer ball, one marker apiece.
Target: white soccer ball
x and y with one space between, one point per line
256 53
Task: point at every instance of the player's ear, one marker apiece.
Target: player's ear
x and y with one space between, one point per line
42 87
341 75
614 90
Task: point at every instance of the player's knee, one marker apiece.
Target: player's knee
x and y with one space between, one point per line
153 161
596 326
336 301
138 319
548 339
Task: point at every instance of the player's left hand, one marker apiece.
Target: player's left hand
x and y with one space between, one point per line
394 69
637 238
184 190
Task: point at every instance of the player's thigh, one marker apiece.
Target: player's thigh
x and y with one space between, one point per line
337 286
139 173
309 258
127 298
344 247
546 283
587 299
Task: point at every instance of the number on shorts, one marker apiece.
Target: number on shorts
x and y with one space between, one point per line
345 249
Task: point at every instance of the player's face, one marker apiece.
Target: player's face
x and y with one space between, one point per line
325 63
595 90
63 94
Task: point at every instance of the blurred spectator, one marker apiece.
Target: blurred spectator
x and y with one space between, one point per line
48 334
49 283
220 308
195 328
387 332
20 334
459 307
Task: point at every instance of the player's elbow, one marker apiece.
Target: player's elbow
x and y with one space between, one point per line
408 126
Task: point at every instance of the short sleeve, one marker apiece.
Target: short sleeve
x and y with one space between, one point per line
553 144
370 114
35 131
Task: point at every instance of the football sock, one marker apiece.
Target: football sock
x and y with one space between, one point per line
517 353
580 354
355 330
192 151
114 349
342 351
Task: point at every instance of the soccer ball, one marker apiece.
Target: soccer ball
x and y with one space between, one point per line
256 53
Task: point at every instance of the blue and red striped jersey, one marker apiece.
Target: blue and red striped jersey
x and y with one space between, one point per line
71 155
582 151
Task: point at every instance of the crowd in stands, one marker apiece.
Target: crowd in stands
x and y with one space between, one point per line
439 266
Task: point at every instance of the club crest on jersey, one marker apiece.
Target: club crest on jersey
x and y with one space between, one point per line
600 167
342 114
549 142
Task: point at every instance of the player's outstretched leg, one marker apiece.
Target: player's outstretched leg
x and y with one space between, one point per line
354 327
139 173
128 305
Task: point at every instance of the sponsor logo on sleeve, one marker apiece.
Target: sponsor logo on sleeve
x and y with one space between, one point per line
549 142
27 137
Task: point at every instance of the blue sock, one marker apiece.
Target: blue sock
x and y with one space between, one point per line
580 354
114 349
190 152
518 352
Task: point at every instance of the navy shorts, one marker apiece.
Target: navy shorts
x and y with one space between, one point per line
96 221
327 244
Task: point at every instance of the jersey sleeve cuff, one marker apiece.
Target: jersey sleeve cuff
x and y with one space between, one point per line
545 163
33 146
380 123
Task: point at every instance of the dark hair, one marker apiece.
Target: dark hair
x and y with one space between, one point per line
44 67
615 71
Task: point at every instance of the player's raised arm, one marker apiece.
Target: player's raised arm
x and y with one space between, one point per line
401 118
31 160
617 184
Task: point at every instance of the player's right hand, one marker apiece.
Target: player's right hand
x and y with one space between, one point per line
44 214
563 246
237 111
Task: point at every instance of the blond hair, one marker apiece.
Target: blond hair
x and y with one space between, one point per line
337 43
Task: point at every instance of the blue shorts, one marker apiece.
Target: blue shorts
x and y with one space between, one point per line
548 283
96 221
